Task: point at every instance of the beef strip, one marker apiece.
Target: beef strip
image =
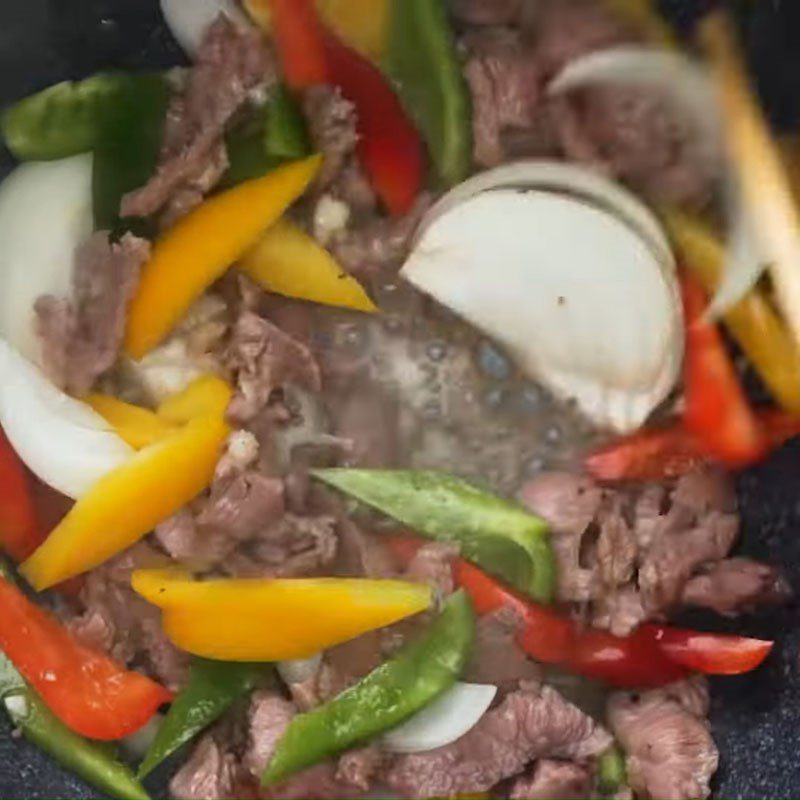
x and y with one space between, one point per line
631 554
263 357
670 752
505 81
531 723
496 657
553 780
81 338
231 62
433 565
116 620
486 12
210 773
736 584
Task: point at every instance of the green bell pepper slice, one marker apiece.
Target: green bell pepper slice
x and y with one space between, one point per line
500 536
423 62
612 776
95 762
60 121
390 694
213 687
274 134
127 145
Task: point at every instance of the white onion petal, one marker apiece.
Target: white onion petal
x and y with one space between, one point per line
63 441
45 213
578 298
570 179
677 76
189 19
446 719
137 744
299 670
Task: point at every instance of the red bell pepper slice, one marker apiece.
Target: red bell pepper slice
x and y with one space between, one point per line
713 654
652 656
20 533
717 411
299 39
389 147
649 455
85 689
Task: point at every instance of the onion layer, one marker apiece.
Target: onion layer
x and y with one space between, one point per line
446 719
189 19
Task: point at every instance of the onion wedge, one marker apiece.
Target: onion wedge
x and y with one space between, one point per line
45 213
446 719
61 440
765 187
578 298
188 20
569 179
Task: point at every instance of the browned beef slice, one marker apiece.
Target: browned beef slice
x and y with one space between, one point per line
116 620
566 29
368 418
210 773
496 657
231 61
332 125
553 780
531 723
639 553
264 358
735 585
433 564
381 244
670 752
81 339
504 78
486 12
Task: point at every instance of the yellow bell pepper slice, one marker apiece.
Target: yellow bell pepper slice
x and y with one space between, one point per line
189 257
288 261
363 24
204 396
130 501
273 620
753 321
137 426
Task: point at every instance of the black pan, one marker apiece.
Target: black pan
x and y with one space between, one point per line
756 719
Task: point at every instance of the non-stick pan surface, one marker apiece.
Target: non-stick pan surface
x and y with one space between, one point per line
756 719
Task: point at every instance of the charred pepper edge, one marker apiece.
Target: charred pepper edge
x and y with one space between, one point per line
389 695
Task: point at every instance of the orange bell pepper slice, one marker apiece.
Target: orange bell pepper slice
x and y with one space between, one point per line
273 620
85 689
288 261
194 253
126 504
139 427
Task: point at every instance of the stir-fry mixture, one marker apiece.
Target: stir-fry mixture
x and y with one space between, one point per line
367 408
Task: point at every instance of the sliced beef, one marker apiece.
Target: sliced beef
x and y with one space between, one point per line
486 12
504 77
631 554
231 62
670 752
332 125
361 554
735 585
381 244
81 338
553 780
433 565
496 657
116 620
566 29
531 723
268 718
359 767
264 358
210 773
